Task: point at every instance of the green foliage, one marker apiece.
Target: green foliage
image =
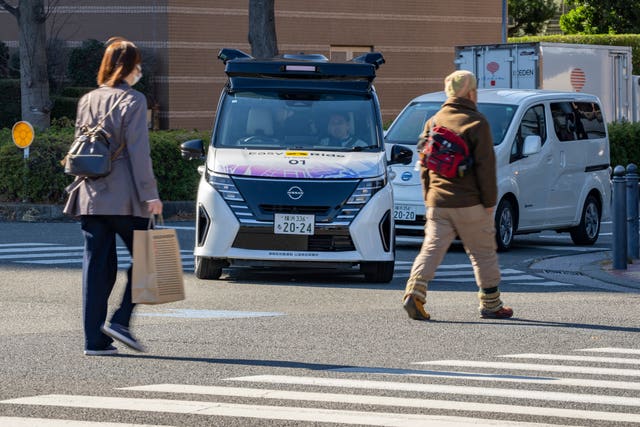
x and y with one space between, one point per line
177 177
529 17
4 61
45 179
84 63
75 91
9 102
41 172
624 138
632 40
64 106
602 17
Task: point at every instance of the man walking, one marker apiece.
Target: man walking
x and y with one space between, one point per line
461 206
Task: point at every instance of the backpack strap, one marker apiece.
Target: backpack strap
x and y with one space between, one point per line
101 122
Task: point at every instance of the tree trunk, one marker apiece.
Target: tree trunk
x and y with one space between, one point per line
34 80
262 29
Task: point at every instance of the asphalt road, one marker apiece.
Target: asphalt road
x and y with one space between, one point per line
301 347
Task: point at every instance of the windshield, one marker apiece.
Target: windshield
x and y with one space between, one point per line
409 125
309 121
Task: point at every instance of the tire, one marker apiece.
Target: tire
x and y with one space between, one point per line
207 268
505 225
587 232
378 272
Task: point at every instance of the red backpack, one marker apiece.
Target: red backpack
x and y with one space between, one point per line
446 153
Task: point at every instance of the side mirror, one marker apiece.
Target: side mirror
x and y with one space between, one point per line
400 155
192 149
532 145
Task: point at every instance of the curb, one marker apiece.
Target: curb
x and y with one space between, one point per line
27 212
595 265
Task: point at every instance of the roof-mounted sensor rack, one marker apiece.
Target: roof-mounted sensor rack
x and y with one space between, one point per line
227 54
373 58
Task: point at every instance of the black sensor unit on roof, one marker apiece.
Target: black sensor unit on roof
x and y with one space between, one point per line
238 63
227 54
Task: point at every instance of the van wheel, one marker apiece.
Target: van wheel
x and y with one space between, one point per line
378 272
207 268
505 225
586 233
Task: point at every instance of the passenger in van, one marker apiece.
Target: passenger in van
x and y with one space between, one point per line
461 206
339 130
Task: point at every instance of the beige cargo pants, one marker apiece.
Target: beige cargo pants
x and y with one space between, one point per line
475 227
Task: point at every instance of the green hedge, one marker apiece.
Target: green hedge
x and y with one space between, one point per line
624 138
9 102
45 179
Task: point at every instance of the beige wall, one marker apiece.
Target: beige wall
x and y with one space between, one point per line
416 38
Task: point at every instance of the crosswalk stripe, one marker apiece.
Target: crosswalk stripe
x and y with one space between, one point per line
619 360
475 376
612 350
445 389
50 422
317 415
10 245
42 249
360 399
535 367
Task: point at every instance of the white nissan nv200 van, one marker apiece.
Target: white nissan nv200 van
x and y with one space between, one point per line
280 186
552 154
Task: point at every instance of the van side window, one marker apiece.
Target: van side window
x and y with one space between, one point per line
533 123
577 120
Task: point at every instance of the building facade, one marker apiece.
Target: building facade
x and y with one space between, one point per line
416 37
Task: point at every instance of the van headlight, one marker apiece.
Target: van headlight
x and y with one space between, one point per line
366 189
224 185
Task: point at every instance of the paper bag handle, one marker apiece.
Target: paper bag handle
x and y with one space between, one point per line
152 221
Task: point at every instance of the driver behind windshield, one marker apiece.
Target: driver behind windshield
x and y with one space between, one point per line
339 130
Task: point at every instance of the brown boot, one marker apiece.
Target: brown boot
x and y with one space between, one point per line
415 308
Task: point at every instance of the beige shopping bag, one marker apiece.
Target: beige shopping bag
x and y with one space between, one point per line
157 269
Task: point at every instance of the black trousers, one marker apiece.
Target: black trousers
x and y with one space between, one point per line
99 272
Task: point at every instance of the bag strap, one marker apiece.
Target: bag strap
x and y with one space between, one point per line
113 107
101 122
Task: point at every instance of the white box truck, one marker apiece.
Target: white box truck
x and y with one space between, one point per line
604 71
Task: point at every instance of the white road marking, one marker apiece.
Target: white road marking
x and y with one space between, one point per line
445 389
360 399
535 367
50 422
612 350
620 360
317 415
9 245
475 376
31 250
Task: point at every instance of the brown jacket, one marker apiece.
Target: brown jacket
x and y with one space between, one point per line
131 182
477 186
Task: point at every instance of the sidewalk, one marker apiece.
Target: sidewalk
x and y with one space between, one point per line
596 266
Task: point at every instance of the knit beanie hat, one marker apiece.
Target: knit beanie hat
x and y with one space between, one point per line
459 83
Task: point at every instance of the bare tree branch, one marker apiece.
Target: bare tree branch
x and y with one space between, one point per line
11 9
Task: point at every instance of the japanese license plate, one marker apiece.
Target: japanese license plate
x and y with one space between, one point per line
293 224
404 212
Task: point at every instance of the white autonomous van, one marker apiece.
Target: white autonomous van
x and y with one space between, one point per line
277 189
552 154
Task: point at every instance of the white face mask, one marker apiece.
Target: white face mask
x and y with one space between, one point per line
138 76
